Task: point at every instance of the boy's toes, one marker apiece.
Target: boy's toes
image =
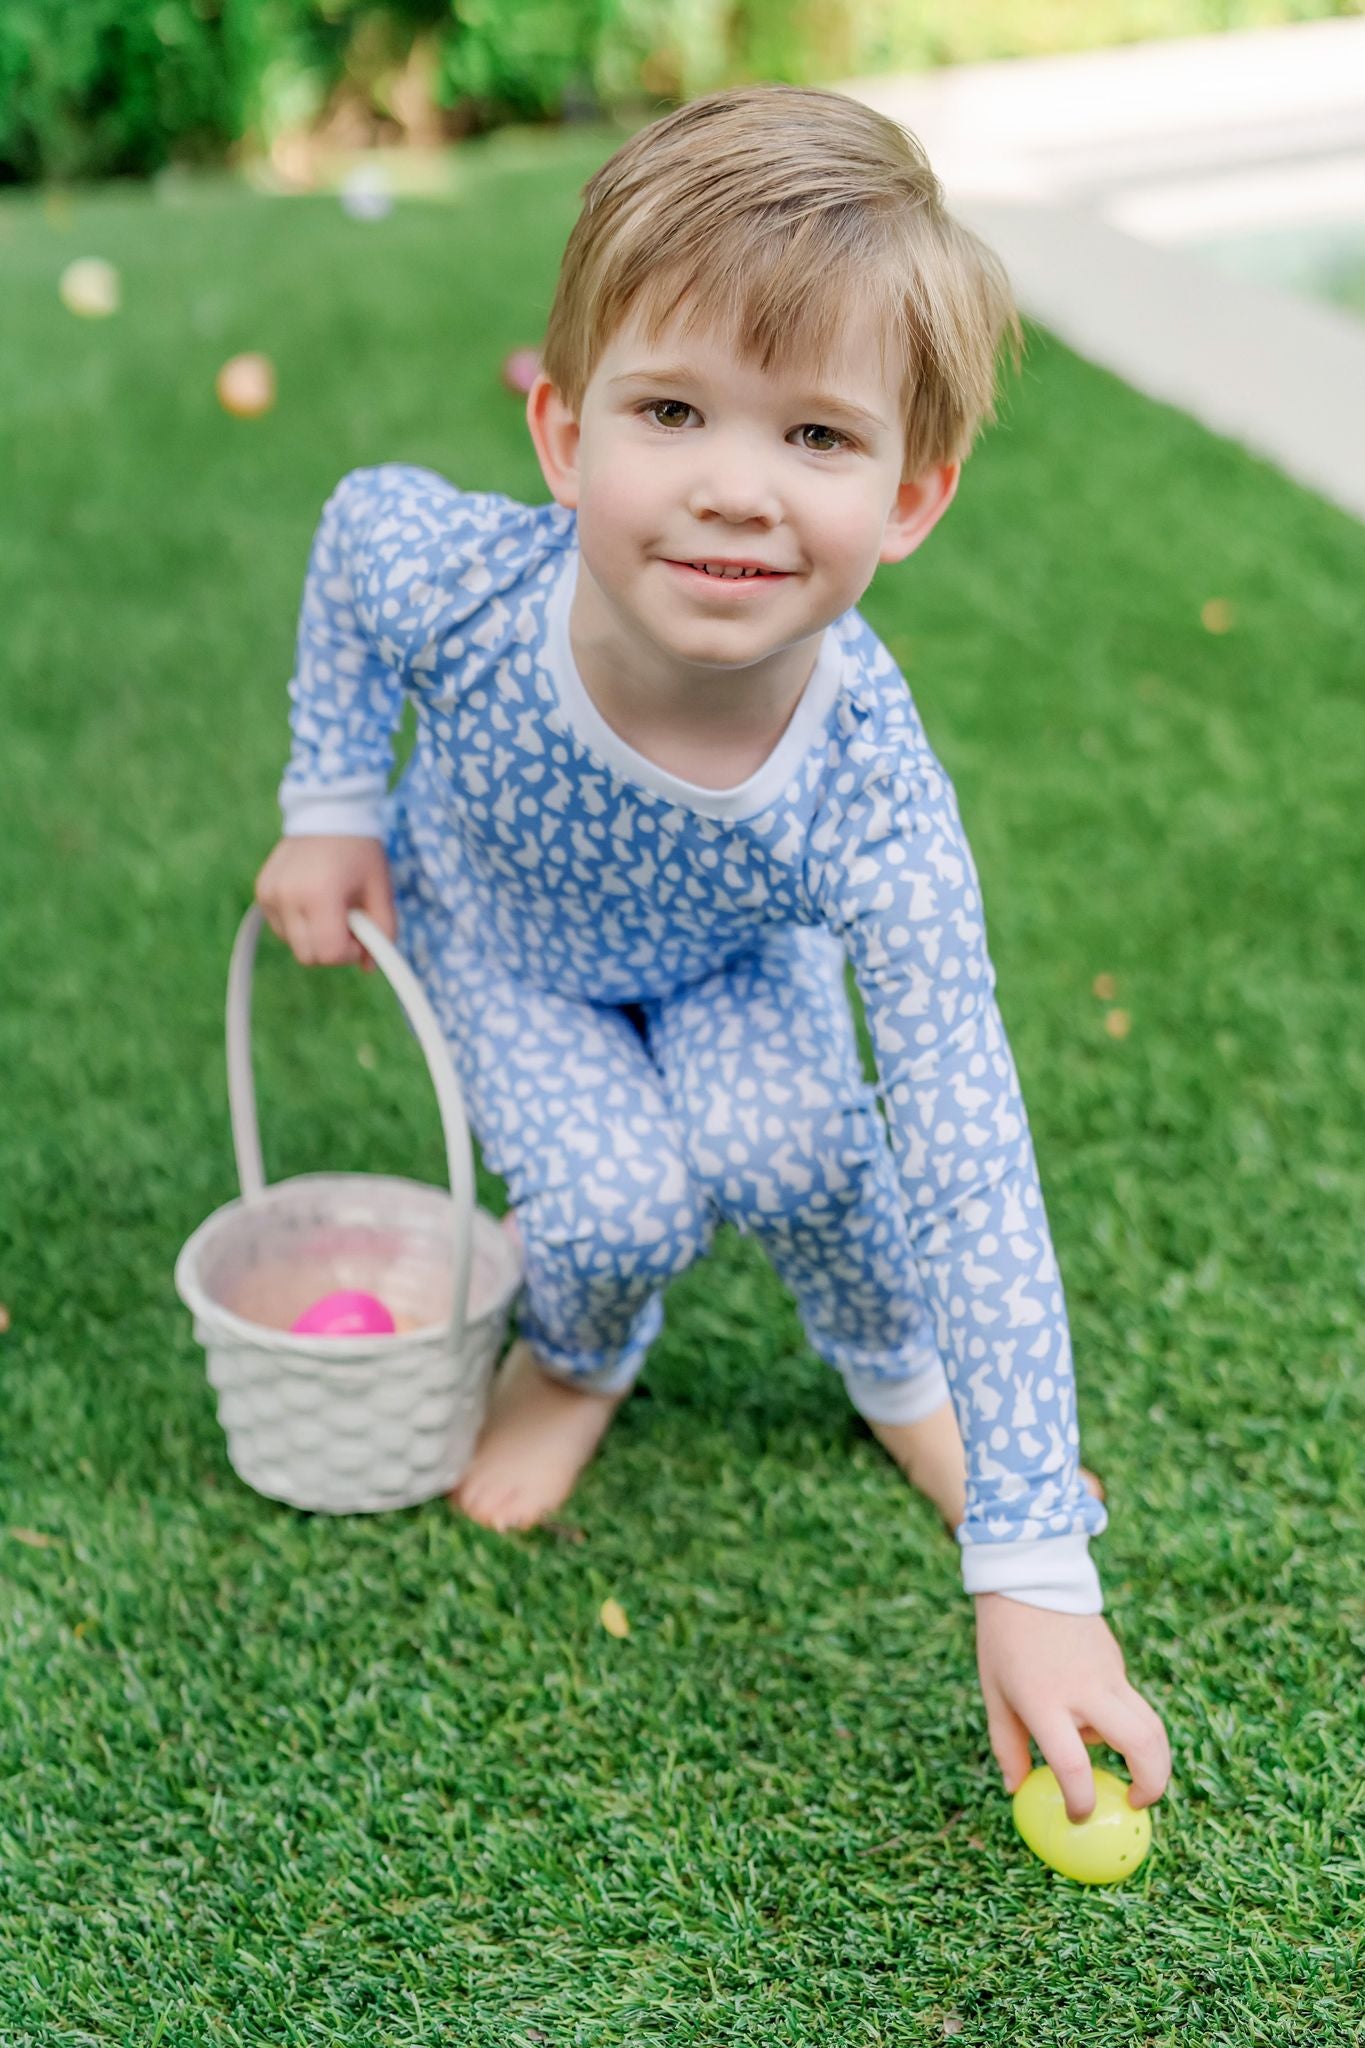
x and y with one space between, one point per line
489 1499
482 1502
488 1514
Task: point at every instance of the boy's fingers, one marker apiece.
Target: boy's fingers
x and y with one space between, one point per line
1129 1725
321 940
1009 1744
1063 1749
333 943
293 929
271 916
328 934
378 904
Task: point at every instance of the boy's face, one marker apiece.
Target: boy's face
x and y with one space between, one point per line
686 453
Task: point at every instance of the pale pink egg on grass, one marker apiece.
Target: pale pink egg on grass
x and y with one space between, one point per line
520 369
347 1312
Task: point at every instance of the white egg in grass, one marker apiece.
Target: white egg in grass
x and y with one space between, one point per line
89 287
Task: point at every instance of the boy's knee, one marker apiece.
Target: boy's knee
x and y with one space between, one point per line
789 1170
621 1220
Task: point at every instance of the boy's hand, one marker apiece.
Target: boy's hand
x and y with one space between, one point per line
309 884
1060 1678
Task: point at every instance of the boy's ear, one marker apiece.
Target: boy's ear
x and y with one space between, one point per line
920 503
556 434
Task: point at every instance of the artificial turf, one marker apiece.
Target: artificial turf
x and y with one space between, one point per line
282 1780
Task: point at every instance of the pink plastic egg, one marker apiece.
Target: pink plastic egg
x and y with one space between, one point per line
520 369
347 1313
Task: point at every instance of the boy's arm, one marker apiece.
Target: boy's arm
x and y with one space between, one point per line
346 693
895 878
382 585
401 558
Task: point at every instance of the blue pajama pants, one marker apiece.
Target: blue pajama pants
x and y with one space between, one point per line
625 1132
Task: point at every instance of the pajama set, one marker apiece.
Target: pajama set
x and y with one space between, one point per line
642 986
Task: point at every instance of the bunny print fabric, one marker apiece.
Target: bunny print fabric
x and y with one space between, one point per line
642 983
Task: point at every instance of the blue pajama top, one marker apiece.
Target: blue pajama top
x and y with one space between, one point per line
604 876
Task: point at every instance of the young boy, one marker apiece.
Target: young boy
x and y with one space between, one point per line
666 781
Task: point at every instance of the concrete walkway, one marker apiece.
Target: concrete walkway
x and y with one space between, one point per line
1086 173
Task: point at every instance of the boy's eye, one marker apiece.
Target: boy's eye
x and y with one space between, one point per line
666 405
831 433
662 408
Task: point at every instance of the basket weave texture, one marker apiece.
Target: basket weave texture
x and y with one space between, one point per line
349 1425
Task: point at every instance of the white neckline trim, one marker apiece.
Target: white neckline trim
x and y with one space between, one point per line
587 723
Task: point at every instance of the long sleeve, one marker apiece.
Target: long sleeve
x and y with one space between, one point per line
345 695
892 873
396 565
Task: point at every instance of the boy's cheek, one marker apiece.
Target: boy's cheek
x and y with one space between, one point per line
848 555
616 565
617 526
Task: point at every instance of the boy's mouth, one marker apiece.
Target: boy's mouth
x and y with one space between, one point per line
727 576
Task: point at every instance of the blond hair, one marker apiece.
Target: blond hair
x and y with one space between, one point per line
771 213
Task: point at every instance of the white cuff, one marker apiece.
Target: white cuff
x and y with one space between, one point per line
1056 1572
353 806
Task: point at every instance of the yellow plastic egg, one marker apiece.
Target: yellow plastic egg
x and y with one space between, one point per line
1105 1847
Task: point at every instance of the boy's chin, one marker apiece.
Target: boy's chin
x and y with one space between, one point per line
728 646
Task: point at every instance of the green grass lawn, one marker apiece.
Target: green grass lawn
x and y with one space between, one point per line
277 1780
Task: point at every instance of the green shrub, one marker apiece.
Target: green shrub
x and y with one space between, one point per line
105 85
99 88
518 59
94 88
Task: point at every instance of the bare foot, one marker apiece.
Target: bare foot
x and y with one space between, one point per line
537 1437
931 1456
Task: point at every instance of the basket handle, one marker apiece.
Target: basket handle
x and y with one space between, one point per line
246 1131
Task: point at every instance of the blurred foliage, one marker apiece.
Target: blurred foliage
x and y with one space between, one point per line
98 88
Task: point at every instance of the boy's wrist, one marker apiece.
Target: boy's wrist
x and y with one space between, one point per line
350 809
1055 1572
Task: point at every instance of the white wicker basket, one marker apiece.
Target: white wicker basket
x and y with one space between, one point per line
348 1425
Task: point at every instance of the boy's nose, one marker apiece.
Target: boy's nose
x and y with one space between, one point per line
736 490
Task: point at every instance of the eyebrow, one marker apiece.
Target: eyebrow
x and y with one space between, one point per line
680 373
